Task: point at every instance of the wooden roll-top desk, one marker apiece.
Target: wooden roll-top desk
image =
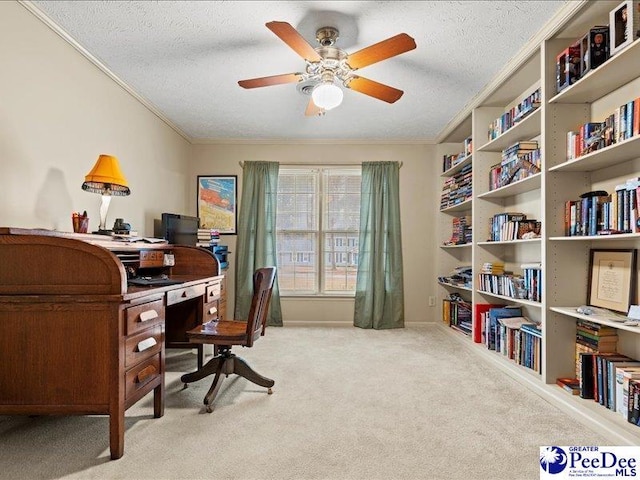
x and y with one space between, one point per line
76 339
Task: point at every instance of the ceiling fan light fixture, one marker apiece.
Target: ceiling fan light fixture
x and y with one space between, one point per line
327 95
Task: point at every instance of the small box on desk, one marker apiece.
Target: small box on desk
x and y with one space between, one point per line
594 48
568 67
221 252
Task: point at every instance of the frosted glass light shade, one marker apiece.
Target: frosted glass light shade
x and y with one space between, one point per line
327 96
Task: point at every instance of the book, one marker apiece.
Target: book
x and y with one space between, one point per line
587 389
493 332
478 327
571 385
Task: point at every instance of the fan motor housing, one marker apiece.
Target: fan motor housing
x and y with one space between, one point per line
327 36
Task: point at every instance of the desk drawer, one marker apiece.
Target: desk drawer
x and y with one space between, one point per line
143 345
138 377
144 316
210 312
182 294
213 292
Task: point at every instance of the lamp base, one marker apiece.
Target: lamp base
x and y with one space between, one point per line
103 232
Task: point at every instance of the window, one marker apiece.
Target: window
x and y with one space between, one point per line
318 224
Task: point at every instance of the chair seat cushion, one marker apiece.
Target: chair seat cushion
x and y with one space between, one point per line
223 332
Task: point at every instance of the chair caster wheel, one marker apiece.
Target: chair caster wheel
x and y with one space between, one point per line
209 408
269 392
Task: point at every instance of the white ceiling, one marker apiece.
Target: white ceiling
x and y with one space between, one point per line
186 57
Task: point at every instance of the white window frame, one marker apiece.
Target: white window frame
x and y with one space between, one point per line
319 234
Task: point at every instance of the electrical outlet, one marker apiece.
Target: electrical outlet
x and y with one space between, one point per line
432 301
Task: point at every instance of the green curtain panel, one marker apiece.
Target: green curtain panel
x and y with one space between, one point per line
379 301
256 247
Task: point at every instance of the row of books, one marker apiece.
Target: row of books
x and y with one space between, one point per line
456 189
620 125
507 285
456 312
461 233
601 213
508 226
451 160
507 120
504 330
604 375
207 237
460 277
516 168
531 282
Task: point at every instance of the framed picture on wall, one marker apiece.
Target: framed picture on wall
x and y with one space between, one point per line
218 203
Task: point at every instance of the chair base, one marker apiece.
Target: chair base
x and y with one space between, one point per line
225 364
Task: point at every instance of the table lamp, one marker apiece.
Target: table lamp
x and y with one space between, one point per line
106 179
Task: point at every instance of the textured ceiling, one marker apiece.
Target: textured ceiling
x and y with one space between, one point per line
186 58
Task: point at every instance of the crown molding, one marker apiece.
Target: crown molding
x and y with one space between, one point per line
310 141
562 16
65 36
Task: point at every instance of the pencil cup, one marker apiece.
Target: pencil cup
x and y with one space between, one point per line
80 224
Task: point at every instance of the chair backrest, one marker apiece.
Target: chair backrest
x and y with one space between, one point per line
262 286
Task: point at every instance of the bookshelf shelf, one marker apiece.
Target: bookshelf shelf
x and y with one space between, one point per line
509 242
520 301
458 287
526 129
460 207
464 245
596 238
528 184
455 169
601 319
597 83
606 157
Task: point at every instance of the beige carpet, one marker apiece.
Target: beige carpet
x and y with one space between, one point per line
347 404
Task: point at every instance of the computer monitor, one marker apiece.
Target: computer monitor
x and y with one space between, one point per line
179 229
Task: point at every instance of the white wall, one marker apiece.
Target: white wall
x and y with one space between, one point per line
418 190
58 112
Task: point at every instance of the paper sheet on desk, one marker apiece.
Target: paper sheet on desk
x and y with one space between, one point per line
130 239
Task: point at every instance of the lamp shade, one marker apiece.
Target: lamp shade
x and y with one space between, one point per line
327 96
106 178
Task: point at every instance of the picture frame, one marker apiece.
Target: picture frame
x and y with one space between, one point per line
217 203
612 279
624 25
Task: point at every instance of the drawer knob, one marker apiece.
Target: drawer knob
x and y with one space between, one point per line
184 294
146 344
145 373
148 315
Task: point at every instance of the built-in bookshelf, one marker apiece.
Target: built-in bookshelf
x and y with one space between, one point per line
564 260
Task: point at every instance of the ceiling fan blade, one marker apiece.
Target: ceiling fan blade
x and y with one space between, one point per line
374 89
312 109
273 80
381 51
291 37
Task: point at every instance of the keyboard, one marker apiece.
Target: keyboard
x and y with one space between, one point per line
152 281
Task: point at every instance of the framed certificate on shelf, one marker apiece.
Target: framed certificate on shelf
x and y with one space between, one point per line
612 279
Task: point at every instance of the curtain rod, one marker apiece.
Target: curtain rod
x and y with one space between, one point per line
323 163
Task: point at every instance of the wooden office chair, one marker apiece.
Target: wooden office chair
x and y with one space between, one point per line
226 333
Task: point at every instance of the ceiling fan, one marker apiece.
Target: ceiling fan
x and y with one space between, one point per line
328 66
